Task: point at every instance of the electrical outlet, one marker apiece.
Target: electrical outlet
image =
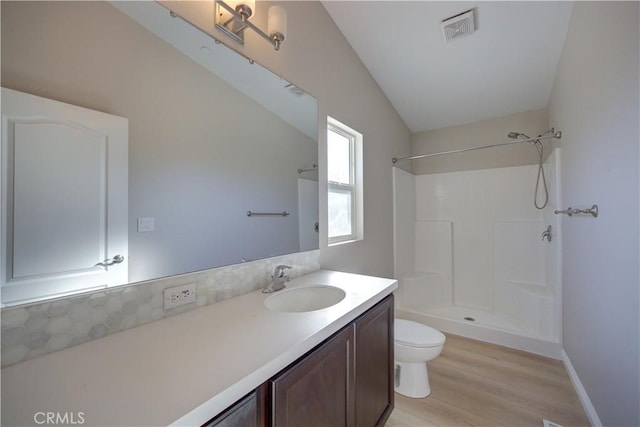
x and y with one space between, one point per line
179 295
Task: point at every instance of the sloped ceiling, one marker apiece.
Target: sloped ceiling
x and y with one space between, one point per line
269 90
507 66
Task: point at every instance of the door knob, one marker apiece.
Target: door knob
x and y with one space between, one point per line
111 261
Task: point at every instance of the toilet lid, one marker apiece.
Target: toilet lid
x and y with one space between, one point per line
415 334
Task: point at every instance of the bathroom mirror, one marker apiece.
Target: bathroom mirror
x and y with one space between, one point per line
211 135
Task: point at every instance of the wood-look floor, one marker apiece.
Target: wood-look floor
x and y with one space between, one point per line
479 384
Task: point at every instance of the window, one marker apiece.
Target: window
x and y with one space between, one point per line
344 165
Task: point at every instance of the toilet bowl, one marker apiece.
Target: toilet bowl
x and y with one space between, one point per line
415 344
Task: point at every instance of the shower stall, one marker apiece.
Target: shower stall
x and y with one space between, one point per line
475 257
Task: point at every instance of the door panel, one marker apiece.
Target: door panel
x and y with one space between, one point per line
374 365
308 214
250 411
318 390
64 197
59 195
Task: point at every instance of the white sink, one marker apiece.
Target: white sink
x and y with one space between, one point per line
308 298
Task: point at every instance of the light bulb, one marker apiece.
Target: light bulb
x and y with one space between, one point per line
277 21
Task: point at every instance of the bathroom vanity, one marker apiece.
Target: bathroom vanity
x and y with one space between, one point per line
269 367
345 381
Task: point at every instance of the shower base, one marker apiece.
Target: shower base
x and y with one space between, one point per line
486 326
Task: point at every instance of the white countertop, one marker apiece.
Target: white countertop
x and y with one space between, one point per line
184 369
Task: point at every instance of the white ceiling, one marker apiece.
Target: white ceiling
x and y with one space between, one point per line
507 66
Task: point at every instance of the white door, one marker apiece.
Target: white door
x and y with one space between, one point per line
64 183
308 214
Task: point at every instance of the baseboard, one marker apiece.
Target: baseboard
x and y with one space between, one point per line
582 393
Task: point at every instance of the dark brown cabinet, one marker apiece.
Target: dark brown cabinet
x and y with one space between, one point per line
317 390
374 365
250 411
345 381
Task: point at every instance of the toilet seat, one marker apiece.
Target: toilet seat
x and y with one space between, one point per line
414 334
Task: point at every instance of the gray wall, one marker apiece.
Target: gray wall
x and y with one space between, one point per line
200 152
477 134
317 57
595 104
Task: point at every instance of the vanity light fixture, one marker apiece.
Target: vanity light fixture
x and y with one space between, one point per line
232 18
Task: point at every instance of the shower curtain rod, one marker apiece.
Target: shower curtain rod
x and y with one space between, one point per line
557 135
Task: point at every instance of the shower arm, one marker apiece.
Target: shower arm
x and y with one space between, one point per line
554 134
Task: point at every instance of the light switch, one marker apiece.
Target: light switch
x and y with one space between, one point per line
146 224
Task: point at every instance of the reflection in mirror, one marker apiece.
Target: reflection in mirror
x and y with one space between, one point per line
210 135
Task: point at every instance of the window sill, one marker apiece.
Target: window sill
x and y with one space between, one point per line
344 242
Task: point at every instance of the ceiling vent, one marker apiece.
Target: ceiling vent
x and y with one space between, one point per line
458 26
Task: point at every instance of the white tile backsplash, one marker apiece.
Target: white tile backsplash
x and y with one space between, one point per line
36 329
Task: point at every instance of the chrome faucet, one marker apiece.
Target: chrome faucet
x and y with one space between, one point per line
278 279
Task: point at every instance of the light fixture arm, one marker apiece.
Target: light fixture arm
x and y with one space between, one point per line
238 22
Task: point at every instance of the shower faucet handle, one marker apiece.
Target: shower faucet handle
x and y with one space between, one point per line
568 211
593 211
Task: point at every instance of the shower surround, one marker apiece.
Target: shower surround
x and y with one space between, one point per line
470 258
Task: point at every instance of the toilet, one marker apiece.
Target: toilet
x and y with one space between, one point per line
415 345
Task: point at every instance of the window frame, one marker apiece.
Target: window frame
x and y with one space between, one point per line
354 188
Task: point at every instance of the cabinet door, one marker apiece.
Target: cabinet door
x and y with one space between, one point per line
247 412
318 390
374 365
